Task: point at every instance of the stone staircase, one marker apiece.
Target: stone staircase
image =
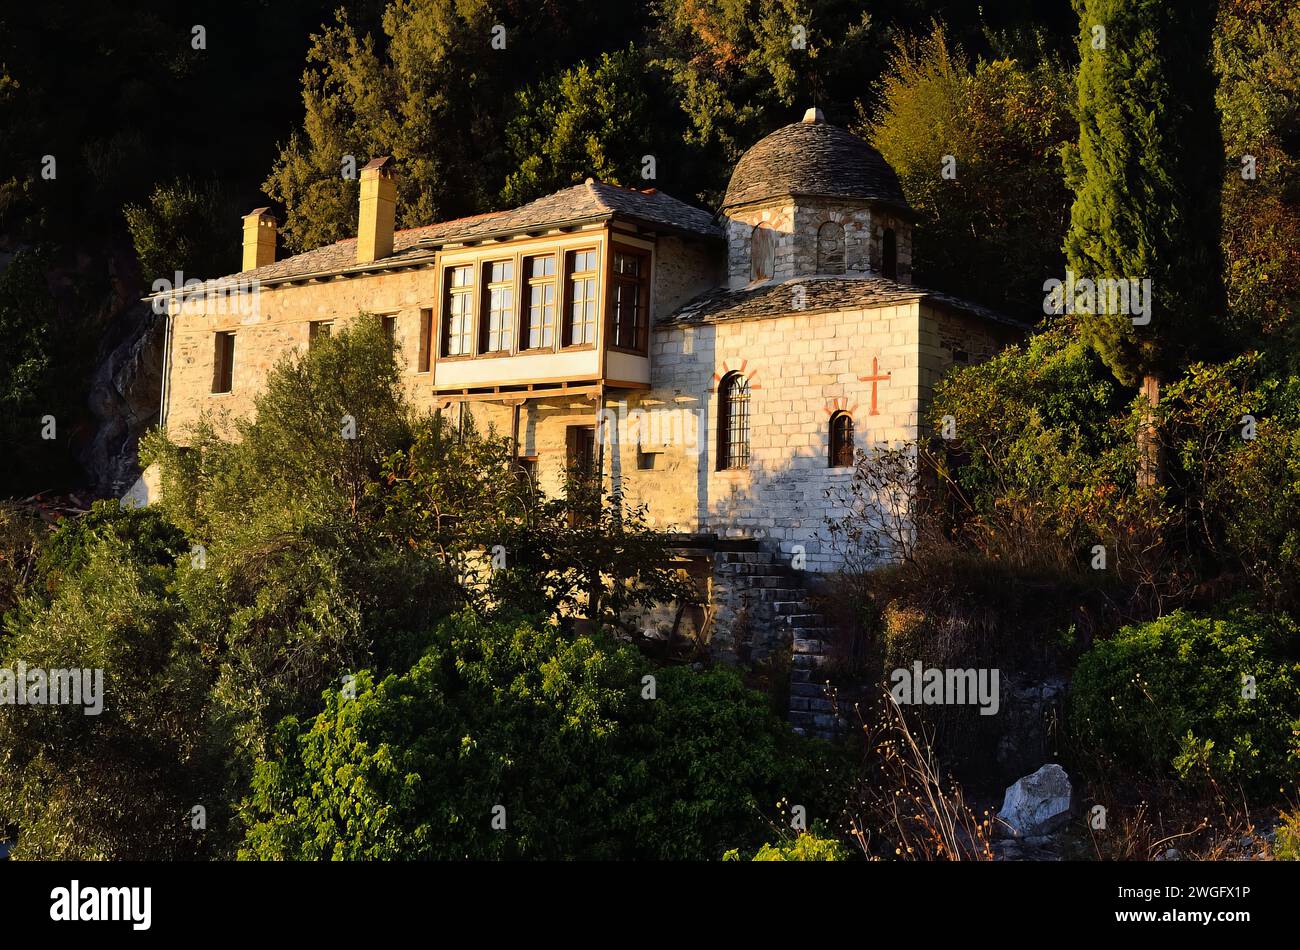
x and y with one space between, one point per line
763 599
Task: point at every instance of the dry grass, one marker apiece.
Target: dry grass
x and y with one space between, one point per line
902 807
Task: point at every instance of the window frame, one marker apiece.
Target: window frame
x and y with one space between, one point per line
567 312
835 445
730 424
767 229
468 330
223 362
526 282
641 344
425 355
509 317
318 328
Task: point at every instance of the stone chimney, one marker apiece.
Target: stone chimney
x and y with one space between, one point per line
814 116
378 207
259 238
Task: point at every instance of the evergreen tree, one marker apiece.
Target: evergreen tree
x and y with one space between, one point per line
1146 177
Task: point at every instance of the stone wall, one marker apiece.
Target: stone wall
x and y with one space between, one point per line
280 324
796 227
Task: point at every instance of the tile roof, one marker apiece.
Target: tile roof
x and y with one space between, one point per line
821 294
813 158
589 200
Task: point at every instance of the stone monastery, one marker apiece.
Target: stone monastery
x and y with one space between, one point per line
725 367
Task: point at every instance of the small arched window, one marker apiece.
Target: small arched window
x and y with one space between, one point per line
733 422
841 441
830 248
889 254
762 252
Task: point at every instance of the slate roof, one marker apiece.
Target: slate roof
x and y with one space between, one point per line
813 158
591 200
821 294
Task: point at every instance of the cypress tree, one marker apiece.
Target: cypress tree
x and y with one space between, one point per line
1146 177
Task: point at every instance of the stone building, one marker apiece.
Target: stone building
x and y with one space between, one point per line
724 366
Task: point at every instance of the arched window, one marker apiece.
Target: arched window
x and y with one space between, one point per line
733 422
841 441
762 252
830 248
889 254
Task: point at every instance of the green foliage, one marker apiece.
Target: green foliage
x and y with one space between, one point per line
587 121
22 537
120 784
148 538
293 463
804 847
1003 121
1256 52
173 231
555 730
424 94
1146 176
1286 847
1171 694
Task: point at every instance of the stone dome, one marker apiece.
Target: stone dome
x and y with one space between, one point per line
813 158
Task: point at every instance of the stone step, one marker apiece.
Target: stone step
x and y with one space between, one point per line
811 704
807 689
804 621
814 647
744 557
749 570
807 661
799 677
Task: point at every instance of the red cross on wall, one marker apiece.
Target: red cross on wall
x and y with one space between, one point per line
873 379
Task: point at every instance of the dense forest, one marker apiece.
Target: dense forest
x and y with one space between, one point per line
276 568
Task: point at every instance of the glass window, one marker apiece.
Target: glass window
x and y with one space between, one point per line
733 422
841 441
499 321
540 332
580 321
631 300
458 312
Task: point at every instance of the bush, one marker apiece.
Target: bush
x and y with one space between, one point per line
1171 694
120 784
552 736
805 847
1286 846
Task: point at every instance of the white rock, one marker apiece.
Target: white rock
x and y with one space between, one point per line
1038 804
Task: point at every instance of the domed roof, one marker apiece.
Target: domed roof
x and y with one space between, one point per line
813 158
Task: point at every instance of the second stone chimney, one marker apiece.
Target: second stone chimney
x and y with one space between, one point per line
259 238
378 209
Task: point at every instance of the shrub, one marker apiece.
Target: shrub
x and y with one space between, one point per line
1172 694
555 731
1286 846
804 847
121 784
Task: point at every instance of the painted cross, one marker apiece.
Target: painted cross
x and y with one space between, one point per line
873 379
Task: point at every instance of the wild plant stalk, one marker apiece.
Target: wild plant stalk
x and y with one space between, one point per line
902 797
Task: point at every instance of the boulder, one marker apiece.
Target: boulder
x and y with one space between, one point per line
1038 804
